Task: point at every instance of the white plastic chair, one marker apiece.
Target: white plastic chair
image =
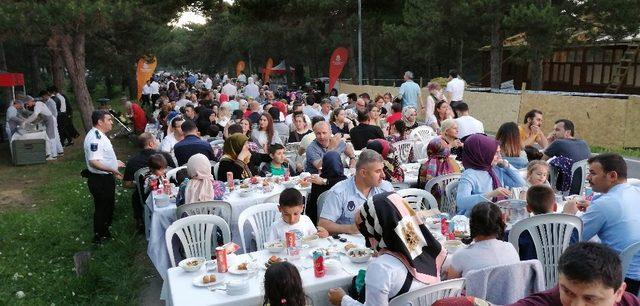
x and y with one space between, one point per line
449 203
260 218
273 199
218 208
418 199
430 294
197 235
423 133
171 174
399 186
583 166
496 284
627 256
442 181
551 234
403 150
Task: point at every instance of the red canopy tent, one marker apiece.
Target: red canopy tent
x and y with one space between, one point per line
8 79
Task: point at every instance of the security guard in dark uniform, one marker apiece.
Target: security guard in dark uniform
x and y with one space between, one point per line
102 166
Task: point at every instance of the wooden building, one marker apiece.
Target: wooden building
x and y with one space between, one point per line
612 67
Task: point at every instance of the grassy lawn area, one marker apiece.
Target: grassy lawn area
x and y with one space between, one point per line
46 214
634 153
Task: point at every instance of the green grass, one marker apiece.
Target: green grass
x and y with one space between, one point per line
628 152
38 240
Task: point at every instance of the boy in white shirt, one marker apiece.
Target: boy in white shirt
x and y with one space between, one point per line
291 205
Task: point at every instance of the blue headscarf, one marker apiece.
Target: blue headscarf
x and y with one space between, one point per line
332 166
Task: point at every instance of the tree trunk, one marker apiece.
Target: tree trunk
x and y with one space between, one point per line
36 81
57 69
73 53
133 81
352 66
496 51
536 71
6 91
460 57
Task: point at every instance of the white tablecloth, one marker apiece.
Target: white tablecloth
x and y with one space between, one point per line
183 292
162 217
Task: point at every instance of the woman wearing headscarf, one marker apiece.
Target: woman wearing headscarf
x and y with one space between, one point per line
409 116
439 163
487 176
409 256
331 173
199 186
235 158
392 171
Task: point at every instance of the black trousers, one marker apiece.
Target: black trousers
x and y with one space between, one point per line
633 285
103 190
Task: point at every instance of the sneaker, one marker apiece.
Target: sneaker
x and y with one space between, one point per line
52 158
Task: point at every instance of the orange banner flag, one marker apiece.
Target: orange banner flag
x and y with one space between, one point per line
239 68
267 70
145 68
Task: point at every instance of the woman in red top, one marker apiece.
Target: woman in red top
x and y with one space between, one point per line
138 116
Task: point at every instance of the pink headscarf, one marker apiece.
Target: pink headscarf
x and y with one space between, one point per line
200 185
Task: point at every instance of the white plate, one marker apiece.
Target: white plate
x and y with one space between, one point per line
197 281
250 269
330 250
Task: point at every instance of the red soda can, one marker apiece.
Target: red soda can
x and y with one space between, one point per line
221 259
318 264
287 175
154 184
444 226
290 239
230 179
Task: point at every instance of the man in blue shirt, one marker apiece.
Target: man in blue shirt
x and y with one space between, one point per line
345 197
614 214
410 92
191 144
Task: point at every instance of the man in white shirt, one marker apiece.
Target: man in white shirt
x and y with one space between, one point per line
252 90
54 147
146 93
14 118
467 125
155 91
172 138
208 83
242 78
455 88
229 89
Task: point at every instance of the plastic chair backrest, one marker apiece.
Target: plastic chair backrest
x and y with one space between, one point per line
443 181
221 209
627 256
505 284
171 174
423 133
197 234
320 202
260 218
449 204
430 294
399 186
139 181
419 199
513 210
634 181
583 166
551 234
403 150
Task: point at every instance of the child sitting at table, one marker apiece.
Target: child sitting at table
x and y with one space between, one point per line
278 162
540 200
537 173
290 206
283 286
157 172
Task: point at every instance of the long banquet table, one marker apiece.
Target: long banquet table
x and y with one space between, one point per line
183 292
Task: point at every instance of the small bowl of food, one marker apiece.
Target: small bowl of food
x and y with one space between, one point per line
359 255
243 193
191 264
311 240
274 246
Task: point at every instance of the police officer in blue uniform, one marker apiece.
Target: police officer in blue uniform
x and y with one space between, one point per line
101 172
